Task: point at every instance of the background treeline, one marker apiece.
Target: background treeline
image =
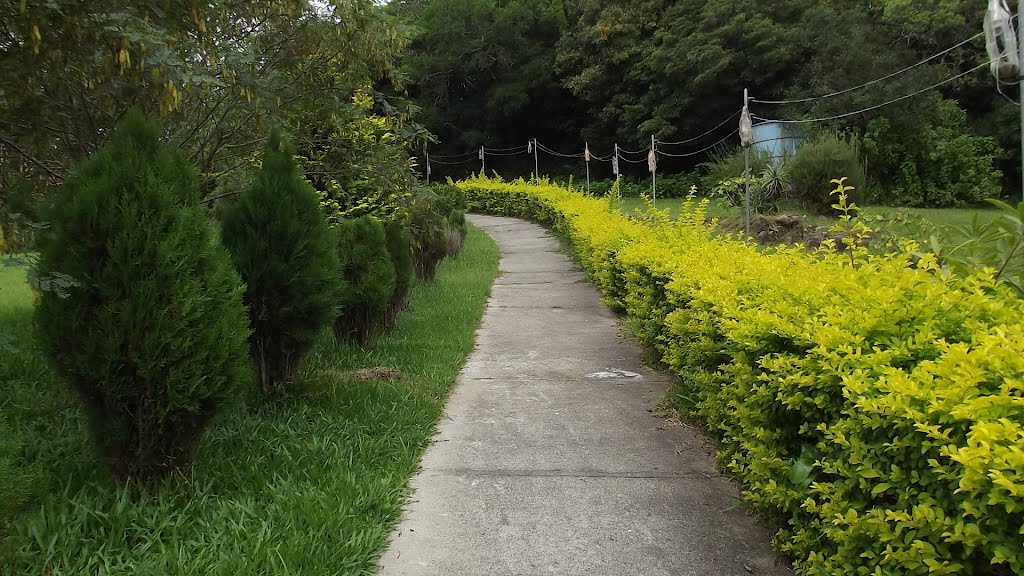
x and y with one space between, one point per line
607 71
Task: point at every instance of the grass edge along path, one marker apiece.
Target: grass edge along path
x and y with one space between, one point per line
312 486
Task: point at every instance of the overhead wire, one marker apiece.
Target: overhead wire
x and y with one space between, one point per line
547 150
695 138
877 106
871 82
701 151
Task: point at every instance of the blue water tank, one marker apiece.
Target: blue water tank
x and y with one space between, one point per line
778 141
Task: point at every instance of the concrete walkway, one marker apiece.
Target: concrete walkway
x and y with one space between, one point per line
550 460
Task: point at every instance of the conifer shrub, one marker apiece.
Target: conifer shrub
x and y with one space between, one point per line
369 275
430 240
152 331
399 241
456 232
287 256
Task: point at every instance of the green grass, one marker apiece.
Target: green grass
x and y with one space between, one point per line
917 223
311 486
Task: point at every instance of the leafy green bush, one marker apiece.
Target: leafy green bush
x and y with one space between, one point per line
430 241
456 232
870 403
370 279
400 248
448 197
816 163
931 160
288 259
152 335
725 165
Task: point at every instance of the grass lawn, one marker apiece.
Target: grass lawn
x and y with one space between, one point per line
312 486
918 223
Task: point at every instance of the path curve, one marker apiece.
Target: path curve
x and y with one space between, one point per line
550 460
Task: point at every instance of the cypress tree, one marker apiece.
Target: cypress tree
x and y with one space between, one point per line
282 246
151 330
370 279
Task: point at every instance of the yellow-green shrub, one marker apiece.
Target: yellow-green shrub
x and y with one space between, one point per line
873 407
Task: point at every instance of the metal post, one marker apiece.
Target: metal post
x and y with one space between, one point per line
653 174
1020 56
615 162
428 167
536 166
586 148
483 162
746 167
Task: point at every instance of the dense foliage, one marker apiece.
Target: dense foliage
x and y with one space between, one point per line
620 71
151 332
399 241
369 275
287 257
217 74
872 407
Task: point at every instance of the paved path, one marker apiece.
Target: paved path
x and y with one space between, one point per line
543 466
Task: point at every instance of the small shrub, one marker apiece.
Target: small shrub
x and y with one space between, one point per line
370 279
725 165
152 334
400 248
288 258
430 241
456 232
816 163
448 197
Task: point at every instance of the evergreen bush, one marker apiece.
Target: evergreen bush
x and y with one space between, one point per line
399 242
816 163
370 279
287 256
430 241
456 232
151 332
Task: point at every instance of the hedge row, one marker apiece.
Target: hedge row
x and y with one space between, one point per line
874 408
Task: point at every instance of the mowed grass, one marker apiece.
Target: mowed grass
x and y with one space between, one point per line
311 486
916 223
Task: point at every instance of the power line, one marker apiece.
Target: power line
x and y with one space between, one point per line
869 109
633 161
871 82
624 151
524 146
544 148
687 141
454 156
489 153
701 151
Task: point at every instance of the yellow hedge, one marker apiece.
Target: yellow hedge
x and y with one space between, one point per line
874 406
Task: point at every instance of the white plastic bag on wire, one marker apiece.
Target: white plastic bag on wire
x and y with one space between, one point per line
615 165
1001 42
652 161
746 129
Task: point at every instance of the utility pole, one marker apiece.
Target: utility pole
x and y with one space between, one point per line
586 158
652 162
536 166
746 125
